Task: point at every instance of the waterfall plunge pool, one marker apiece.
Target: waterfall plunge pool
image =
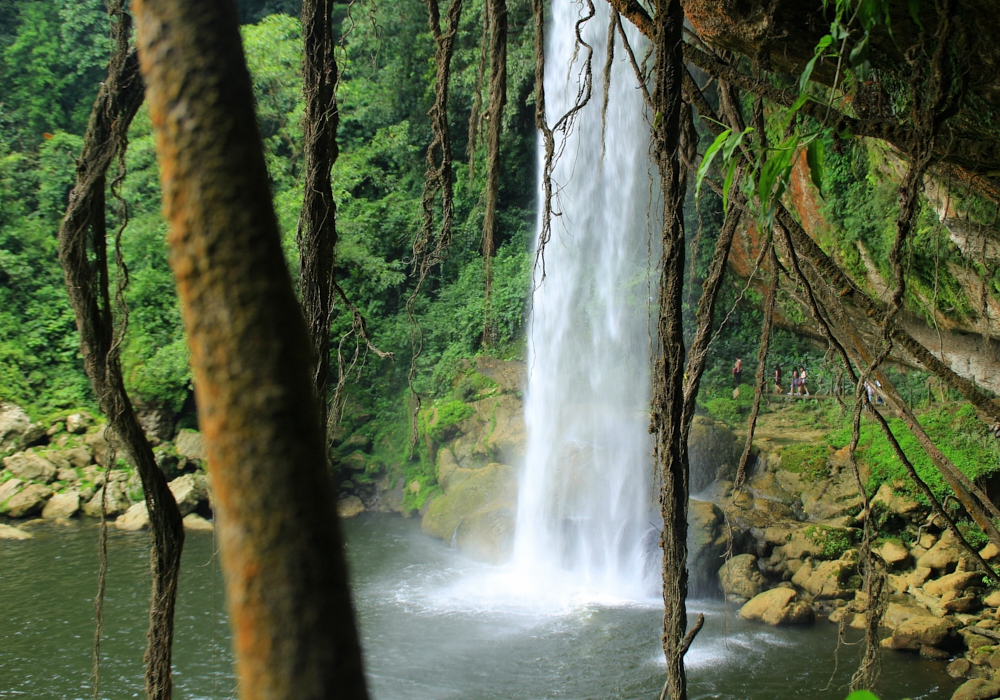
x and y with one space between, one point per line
434 625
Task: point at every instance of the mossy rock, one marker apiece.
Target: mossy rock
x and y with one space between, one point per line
713 453
477 513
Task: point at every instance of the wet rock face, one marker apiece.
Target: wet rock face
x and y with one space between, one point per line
477 512
707 543
713 453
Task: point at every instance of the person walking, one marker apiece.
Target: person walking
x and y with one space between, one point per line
802 380
737 372
795 382
777 379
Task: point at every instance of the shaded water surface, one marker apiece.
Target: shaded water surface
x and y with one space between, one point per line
434 626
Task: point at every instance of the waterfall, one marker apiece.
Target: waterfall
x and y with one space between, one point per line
585 513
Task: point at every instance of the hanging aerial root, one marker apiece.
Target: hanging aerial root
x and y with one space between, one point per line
430 247
564 124
476 115
609 59
497 10
83 255
317 230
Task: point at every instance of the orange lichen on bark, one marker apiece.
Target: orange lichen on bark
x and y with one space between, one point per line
282 551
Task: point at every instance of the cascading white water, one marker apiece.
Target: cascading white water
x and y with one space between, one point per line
585 515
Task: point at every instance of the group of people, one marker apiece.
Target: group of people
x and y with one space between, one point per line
798 385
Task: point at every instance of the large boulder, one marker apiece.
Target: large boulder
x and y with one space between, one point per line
477 513
707 542
953 583
350 507
713 453
944 555
28 501
894 502
9 488
977 689
826 580
894 553
30 467
740 577
117 501
97 441
921 630
12 533
79 457
778 606
190 491
14 422
78 422
62 505
135 518
190 444
193 521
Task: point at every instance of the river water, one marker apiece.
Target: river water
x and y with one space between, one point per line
434 625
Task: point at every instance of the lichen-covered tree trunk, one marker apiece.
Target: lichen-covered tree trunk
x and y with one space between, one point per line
667 426
317 235
83 254
289 601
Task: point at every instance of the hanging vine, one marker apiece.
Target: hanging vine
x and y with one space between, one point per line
497 11
83 255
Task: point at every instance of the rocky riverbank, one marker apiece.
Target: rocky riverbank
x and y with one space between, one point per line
795 528
66 469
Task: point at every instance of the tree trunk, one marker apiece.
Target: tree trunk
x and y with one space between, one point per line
282 553
83 254
670 439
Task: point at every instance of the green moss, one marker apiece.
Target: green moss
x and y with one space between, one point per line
954 429
442 419
834 541
809 460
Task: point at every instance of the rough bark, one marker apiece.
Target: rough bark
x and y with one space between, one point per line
667 424
83 254
317 234
294 633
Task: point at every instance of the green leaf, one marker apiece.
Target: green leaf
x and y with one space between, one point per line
815 157
710 154
862 695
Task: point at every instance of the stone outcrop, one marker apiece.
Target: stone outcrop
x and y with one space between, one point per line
477 513
135 518
30 467
978 689
62 505
740 578
922 630
713 453
117 501
14 423
778 606
12 533
190 491
27 501
191 445
707 542
350 507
